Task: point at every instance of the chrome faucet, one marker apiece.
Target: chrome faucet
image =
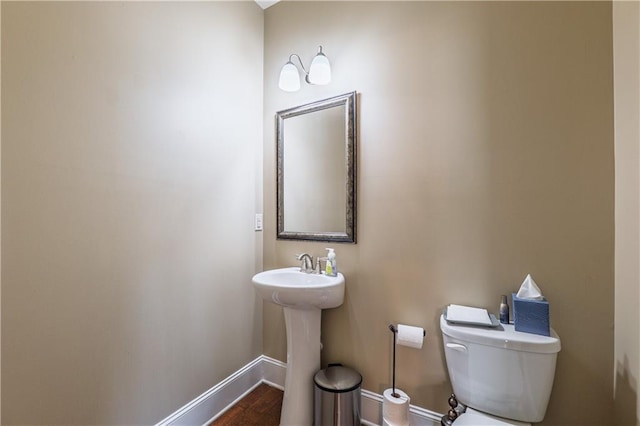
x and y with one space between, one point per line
307 262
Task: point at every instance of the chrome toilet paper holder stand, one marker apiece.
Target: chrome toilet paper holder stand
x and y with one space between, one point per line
394 330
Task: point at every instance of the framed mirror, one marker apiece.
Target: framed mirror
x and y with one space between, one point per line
316 170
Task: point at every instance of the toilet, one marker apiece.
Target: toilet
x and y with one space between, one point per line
502 376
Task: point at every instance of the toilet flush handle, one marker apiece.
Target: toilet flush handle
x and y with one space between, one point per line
457 347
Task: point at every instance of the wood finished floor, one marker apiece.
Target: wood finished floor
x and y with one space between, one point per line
261 407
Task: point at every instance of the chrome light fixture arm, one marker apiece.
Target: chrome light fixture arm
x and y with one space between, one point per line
306 73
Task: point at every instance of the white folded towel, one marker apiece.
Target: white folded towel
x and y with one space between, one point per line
459 313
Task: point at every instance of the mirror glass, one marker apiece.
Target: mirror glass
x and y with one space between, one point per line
316 147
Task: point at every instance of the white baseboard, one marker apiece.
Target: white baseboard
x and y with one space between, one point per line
274 372
214 402
219 398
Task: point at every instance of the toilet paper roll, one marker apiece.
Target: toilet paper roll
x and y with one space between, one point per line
395 410
410 336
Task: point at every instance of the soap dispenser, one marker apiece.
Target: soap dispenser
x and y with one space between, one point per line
331 269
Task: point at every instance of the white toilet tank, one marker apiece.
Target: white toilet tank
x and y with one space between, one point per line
501 371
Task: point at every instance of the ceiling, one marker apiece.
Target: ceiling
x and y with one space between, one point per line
266 3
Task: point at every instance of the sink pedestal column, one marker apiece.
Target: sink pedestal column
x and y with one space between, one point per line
303 361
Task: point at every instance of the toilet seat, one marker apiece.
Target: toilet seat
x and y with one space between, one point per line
472 417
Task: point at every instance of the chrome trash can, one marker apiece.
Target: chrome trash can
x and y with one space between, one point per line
337 396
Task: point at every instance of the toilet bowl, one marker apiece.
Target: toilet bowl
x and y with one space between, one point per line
502 376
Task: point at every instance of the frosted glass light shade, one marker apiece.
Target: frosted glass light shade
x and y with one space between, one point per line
320 70
289 78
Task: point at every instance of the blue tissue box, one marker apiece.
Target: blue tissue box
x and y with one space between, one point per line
531 316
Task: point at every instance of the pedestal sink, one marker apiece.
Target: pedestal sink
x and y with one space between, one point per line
303 296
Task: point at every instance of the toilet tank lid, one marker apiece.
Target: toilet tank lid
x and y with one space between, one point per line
503 336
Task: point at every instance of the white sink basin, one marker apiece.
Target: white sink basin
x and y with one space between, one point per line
294 289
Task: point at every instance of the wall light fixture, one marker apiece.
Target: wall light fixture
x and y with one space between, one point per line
319 72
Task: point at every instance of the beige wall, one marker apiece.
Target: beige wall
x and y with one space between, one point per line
131 135
485 153
626 35
0 220
490 157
